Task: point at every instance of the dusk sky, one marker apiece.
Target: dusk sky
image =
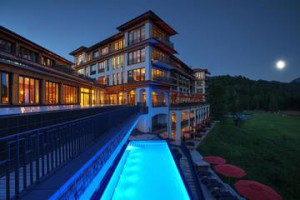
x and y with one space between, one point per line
235 37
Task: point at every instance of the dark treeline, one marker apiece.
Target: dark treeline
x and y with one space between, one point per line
228 94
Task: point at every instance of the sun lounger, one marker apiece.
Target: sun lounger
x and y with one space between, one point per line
209 181
203 173
222 194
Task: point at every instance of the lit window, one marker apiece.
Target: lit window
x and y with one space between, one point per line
4 88
7 46
96 54
104 50
137 56
136 35
51 93
118 61
119 44
136 75
70 94
29 90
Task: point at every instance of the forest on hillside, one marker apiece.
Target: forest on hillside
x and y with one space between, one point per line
233 94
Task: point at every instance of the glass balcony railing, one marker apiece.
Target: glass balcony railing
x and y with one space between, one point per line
165 60
163 79
167 42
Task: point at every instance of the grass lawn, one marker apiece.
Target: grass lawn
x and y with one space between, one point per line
266 146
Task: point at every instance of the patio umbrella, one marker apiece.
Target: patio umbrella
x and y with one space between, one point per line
214 160
230 171
254 190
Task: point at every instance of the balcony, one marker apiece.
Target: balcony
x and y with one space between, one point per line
162 79
166 42
158 104
163 62
135 41
184 123
18 60
186 105
101 70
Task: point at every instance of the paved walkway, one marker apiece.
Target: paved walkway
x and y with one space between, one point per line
144 137
188 175
34 109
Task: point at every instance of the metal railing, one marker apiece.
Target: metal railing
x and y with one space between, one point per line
28 157
13 124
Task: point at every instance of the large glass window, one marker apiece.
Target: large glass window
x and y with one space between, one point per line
200 75
136 35
101 80
158 99
136 75
79 59
93 69
96 54
70 94
115 79
118 61
29 92
4 89
7 46
28 54
120 78
85 96
107 80
159 55
159 34
102 65
47 61
52 93
137 56
119 44
159 74
104 50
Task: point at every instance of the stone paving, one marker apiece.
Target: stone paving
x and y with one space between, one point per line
188 175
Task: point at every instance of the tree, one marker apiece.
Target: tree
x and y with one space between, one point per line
216 98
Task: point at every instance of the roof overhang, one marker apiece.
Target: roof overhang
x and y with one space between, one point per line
149 15
32 44
78 50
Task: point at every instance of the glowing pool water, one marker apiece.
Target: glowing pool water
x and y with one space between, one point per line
146 170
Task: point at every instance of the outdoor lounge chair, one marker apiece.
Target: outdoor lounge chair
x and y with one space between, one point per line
209 180
203 173
223 194
214 184
228 198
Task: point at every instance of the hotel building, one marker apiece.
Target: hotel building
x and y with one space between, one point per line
137 66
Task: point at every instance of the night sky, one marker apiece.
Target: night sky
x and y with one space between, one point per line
235 37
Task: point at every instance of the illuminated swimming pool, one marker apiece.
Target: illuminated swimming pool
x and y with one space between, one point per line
146 170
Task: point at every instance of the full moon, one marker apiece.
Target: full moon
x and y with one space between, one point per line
280 64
